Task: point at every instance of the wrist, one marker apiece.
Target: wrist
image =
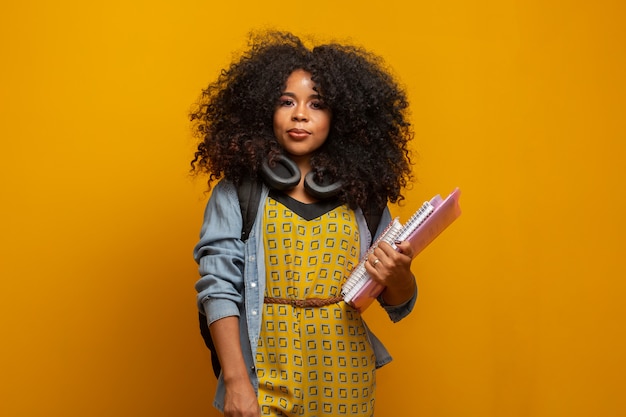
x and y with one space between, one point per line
235 377
399 294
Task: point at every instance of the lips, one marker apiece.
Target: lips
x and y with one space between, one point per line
298 133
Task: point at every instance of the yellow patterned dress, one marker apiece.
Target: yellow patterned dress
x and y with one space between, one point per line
311 361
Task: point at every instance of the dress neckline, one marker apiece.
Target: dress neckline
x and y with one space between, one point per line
307 211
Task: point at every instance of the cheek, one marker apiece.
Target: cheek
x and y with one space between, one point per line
281 117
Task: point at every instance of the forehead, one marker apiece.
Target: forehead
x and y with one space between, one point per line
300 80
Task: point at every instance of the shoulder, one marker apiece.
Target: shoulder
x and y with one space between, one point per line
222 216
224 191
223 201
224 186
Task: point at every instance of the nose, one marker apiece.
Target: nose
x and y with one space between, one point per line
299 114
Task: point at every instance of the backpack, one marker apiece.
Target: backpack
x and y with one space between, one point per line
249 194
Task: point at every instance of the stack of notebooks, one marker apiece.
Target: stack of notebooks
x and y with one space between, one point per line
432 218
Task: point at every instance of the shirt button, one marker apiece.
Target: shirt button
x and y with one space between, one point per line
253 284
251 258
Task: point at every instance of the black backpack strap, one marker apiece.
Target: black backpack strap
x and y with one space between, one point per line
373 214
249 194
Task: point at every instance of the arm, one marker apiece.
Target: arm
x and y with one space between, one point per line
220 256
240 399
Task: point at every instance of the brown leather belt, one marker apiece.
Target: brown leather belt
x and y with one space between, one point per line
308 302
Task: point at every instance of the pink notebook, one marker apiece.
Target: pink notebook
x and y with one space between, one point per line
432 218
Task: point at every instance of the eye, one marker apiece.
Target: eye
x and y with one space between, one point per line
318 105
285 102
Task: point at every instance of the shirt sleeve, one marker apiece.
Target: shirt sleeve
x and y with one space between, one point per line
397 313
220 255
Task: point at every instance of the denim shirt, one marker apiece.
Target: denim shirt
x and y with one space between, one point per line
232 274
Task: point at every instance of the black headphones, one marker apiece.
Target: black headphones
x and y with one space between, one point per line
286 175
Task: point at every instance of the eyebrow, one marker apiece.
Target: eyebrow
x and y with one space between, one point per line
293 95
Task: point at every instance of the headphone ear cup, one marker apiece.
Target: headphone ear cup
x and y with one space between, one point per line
284 176
318 191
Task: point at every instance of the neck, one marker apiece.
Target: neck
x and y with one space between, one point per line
303 162
298 192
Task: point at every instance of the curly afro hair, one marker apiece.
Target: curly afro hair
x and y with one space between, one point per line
366 147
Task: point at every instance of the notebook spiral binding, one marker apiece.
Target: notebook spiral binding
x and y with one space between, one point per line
393 233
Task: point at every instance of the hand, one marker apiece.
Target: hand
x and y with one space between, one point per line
240 399
392 268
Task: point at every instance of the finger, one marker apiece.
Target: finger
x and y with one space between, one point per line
373 260
378 259
405 248
389 253
371 270
386 249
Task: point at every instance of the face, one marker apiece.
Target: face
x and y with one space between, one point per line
301 120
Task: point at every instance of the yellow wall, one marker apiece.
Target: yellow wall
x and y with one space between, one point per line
519 103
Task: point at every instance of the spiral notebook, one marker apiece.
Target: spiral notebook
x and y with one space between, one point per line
432 218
